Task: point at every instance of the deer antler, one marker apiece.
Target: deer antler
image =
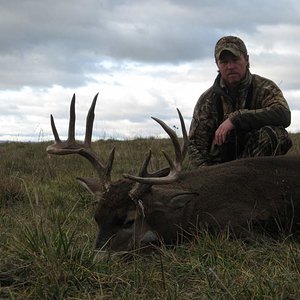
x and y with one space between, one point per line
71 146
175 167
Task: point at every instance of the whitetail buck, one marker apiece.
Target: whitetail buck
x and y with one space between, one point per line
246 196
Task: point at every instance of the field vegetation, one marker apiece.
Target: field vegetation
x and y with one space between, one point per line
47 234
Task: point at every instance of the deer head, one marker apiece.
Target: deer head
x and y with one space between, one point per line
120 214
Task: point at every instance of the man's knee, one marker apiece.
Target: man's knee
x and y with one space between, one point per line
267 141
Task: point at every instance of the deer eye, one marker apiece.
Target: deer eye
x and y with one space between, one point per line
119 221
131 216
128 223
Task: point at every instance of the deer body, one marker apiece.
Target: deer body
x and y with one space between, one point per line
242 194
245 196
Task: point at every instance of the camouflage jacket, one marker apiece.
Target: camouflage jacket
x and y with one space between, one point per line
258 103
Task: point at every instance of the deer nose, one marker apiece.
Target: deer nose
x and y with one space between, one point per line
149 238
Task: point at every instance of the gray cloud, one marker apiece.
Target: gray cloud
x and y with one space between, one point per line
59 42
50 49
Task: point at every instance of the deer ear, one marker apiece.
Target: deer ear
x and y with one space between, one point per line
181 200
93 185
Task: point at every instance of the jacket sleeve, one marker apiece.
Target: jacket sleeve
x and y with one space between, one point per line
271 109
202 130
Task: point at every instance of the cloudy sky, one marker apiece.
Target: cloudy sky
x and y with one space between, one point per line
145 58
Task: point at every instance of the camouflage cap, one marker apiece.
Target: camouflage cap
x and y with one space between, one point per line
230 43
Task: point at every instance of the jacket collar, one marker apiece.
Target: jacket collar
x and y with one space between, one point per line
220 88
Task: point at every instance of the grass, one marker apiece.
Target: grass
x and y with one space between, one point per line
47 236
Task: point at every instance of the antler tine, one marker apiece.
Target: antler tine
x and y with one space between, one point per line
185 144
108 168
139 188
143 173
71 146
145 164
172 134
54 130
71 134
90 121
180 152
144 169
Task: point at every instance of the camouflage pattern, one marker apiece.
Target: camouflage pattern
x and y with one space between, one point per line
259 113
267 141
230 43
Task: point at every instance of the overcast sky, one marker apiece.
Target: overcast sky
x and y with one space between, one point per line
145 58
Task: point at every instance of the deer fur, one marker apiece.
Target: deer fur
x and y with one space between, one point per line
248 196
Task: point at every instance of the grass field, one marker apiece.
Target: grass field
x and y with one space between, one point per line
47 234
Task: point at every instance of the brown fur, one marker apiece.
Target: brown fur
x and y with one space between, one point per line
249 196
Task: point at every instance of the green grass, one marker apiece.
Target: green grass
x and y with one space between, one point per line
47 236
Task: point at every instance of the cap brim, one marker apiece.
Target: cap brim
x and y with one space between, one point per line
233 51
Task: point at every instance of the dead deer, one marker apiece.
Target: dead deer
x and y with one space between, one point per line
246 196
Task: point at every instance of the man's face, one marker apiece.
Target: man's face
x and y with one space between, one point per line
232 68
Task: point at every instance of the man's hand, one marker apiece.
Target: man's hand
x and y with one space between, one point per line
223 131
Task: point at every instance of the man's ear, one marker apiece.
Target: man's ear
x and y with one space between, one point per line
247 59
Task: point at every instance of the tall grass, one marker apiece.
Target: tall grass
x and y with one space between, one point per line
47 236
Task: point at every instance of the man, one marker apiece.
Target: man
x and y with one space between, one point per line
241 115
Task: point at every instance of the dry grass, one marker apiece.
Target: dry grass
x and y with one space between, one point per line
47 236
